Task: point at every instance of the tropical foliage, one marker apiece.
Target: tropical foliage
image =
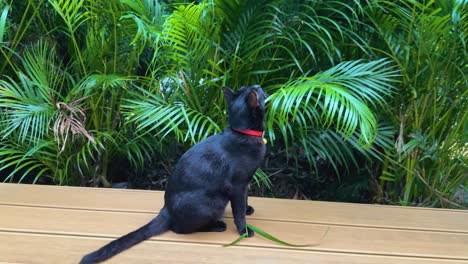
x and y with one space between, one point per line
428 42
369 90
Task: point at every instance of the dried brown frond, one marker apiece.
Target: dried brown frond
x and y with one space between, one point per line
71 120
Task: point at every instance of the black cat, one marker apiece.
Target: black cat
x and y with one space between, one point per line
209 175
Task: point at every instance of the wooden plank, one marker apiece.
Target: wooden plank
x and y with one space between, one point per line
31 248
328 213
81 198
343 239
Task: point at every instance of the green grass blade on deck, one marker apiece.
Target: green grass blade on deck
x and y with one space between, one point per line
241 237
274 239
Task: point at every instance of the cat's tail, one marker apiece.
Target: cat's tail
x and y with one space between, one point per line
156 226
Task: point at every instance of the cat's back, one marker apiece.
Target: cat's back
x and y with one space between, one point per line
217 157
227 145
209 146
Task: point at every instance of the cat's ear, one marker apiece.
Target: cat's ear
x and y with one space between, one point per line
253 99
228 94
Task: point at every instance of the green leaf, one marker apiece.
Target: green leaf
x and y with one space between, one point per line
272 238
3 23
237 240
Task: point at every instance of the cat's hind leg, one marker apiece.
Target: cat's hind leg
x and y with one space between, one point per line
249 210
218 226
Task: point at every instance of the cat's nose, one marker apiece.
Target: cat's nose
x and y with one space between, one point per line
258 87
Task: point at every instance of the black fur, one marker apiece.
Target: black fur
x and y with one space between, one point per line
209 175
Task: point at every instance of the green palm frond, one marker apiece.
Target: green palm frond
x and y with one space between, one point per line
3 22
24 112
427 40
372 82
143 32
29 105
151 10
261 178
148 16
271 43
71 12
138 149
190 31
330 146
335 98
245 43
83 158
230 11
318 27
152 114
329 115
99 83
24 161
74 15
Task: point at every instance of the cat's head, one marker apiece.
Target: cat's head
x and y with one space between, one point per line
246 107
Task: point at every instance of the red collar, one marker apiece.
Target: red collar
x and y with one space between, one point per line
250 132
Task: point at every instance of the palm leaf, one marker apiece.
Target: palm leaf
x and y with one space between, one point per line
152 114
26 161
74 15
3 22
260 177
71 12
189 32
335 98
29 105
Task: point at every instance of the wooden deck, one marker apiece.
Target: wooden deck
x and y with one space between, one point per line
45 224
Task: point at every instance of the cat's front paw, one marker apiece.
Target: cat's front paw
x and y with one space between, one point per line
249 210
250 232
